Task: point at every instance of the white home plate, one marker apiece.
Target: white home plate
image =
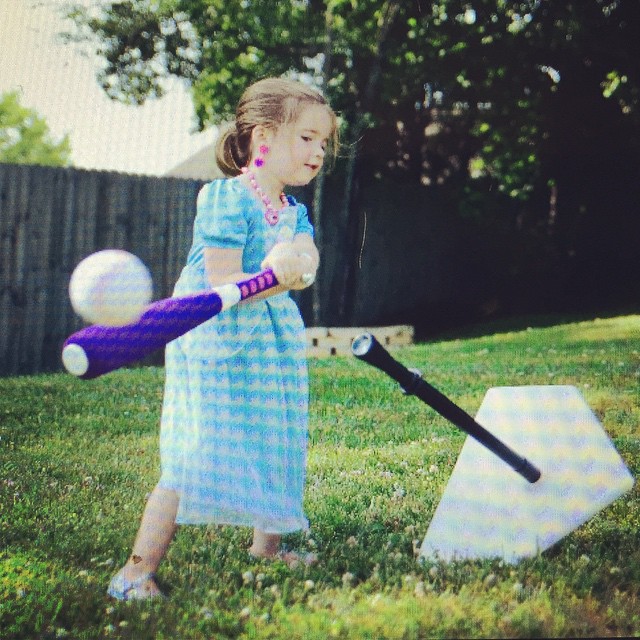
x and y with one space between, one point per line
487 510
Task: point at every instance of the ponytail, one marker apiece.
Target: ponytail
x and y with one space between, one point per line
231 154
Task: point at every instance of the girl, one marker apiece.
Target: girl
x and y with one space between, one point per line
234 417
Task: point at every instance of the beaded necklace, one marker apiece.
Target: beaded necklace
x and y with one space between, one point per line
271 215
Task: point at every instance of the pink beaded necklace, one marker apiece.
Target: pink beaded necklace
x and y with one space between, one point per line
271 215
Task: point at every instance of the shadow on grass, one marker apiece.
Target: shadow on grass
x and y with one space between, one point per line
517 323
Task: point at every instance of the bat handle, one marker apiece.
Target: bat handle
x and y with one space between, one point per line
263 281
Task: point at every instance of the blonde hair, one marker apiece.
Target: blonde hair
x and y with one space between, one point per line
271 102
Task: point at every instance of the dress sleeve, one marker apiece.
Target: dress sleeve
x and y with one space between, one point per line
303 225
220 219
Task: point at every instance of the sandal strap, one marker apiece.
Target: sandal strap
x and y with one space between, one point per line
122 589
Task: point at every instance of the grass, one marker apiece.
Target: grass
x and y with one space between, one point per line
77 459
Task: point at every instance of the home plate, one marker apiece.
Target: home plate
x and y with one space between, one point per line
487 510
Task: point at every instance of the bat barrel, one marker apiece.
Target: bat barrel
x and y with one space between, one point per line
365 347
96 350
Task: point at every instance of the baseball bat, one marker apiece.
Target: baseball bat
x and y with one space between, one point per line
97 349
365 347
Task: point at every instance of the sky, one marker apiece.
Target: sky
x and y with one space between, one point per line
59 82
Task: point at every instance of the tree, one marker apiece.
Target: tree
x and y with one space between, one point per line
25 137
463 96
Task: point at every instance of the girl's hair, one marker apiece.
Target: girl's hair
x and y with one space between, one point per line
271 103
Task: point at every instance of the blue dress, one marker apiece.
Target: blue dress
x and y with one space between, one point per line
233 437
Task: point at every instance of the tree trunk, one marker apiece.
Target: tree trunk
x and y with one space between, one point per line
318 187
350 210
318 287
348 278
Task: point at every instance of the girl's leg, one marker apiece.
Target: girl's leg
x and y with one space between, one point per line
156 531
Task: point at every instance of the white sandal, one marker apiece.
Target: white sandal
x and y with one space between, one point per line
122 589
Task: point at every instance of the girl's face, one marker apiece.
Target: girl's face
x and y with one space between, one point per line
297 150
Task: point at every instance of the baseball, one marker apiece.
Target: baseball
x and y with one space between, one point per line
110 287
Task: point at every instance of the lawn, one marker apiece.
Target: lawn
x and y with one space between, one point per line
78 458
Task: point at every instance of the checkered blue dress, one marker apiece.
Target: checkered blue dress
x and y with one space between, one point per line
234 419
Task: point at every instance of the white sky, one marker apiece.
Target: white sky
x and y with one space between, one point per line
60 84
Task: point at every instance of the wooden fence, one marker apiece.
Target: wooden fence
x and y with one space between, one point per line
50 219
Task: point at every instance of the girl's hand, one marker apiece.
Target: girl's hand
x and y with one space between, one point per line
308 273
289 266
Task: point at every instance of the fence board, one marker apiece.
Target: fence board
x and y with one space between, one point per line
180 228
38 266
19 186
58 311
156 237
108 213
89 191
8 211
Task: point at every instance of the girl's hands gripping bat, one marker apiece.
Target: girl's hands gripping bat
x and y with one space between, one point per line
294 269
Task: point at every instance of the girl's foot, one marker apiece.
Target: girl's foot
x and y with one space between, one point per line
125 586
291 558
267 546
295 558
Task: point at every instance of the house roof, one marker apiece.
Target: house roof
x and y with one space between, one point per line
200 166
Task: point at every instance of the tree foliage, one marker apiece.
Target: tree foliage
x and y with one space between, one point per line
482 72
25 137
524 113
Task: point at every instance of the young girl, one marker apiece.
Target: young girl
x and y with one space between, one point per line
234 417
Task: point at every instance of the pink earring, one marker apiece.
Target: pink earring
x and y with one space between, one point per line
262 150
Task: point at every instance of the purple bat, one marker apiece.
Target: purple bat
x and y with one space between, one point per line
98 349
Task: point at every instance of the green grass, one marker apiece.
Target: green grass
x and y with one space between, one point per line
77 459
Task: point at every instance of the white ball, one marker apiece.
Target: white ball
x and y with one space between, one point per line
110 287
